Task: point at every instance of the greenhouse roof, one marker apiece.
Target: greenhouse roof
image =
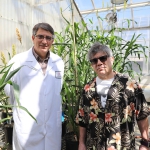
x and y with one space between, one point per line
94 11
136 10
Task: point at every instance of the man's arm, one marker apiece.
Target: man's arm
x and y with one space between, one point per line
82 136
143 127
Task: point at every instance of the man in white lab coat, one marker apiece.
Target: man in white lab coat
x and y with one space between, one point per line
40 83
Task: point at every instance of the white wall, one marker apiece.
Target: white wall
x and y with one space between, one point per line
24 14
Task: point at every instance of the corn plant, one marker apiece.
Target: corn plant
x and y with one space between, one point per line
73 44
122 50
6 79
5 106
77 70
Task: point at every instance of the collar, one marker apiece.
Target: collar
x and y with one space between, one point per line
40 59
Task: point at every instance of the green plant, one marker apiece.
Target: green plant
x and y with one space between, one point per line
73 44
5 147
5 106
76 65
6 79
6 75
122 50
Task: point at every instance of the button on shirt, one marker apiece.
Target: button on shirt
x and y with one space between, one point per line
42 62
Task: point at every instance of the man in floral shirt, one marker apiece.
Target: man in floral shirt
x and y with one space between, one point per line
109 106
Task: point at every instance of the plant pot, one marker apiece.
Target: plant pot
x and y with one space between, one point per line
8 133
8 128
2 135
72 145
64 128
69 141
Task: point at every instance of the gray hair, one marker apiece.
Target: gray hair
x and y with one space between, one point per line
98 47
44 26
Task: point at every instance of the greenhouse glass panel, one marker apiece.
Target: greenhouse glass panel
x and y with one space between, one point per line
142 19
103 14
91 20
139 1
102 3
82 5
124 14
144 35
105 24
144 22
137 11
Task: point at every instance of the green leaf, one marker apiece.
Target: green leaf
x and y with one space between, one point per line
23 108
16 92
6 106
5 119
5 72
12 73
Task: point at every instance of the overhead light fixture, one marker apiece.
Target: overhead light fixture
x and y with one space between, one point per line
117 2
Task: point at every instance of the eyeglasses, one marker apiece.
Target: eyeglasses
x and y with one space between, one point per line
41 37
102 59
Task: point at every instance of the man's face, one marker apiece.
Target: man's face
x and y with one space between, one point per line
42 45
103 67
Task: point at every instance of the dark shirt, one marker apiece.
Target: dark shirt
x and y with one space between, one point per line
112 127
42 62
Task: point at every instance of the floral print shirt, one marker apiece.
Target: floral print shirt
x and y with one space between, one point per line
112 127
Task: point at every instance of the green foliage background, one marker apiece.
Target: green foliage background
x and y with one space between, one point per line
73 44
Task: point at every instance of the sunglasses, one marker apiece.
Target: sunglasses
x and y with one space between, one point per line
102 59
41 37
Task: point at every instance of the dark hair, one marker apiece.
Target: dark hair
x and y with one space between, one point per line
98 47
44 26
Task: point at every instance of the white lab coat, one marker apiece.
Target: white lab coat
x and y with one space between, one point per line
40 94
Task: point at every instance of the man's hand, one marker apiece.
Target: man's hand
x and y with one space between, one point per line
82 134
143 127
142 147
82 146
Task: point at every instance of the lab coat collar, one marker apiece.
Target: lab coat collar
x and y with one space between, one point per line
33 62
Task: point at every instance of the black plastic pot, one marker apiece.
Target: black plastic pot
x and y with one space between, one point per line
64 128
72 145
8 133
69 141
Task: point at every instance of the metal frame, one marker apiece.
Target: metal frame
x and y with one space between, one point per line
117 7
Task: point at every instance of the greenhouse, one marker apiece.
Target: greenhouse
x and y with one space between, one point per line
43 94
